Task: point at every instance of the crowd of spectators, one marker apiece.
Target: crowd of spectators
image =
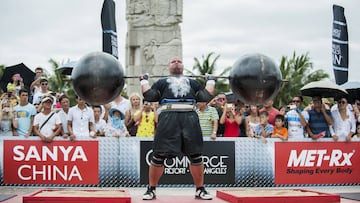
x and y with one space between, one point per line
44 113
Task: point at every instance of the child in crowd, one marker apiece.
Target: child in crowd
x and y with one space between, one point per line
116 126
100 123
279 130
264 129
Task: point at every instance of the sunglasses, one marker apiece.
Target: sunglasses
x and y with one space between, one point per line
342 102
296 101
44 84
221 99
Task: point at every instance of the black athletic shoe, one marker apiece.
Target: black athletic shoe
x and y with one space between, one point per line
149 194
201 193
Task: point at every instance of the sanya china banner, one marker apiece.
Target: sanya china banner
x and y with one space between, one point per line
340 46
59 162
317 162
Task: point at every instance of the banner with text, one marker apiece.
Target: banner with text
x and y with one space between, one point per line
59 162
218 158
317 162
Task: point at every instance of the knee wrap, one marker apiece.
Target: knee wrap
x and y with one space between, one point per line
157 159
196 159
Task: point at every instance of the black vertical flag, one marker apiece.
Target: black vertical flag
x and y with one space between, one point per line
340 46
110 44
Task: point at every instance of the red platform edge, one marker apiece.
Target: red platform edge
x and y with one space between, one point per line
321 198
32 198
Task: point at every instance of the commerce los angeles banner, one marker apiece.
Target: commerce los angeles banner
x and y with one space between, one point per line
59 162
317 162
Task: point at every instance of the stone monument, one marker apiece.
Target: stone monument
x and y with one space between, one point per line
153 37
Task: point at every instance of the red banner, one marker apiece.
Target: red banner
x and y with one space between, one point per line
317 162
59 162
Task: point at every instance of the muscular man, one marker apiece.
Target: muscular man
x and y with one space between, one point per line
178 129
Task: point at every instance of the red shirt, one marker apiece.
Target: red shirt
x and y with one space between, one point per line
272 113
231 129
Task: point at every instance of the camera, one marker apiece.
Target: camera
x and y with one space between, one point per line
229 106
9 94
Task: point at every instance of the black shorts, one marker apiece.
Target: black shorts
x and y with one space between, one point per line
178 132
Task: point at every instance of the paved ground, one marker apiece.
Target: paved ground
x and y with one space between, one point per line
167 194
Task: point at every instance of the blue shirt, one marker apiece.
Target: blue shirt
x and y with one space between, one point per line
24 114
268 129
317 122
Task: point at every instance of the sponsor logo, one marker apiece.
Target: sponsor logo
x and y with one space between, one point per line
218 159
309 158
316 163
60 162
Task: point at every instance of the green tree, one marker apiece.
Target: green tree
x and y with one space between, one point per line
297 71
60 83
207 65
2 69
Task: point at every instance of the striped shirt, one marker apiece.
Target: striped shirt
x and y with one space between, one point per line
207 119
268 129
317 122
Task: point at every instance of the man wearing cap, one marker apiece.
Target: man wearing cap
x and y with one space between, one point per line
47 123
81 120
178 130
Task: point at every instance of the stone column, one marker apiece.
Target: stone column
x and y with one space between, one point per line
153 37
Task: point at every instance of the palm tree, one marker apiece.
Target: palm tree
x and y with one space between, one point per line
208 66
60 83
297 70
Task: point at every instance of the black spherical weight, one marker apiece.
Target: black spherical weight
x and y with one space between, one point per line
98 78
255 79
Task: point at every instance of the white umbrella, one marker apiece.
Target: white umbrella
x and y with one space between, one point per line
324 89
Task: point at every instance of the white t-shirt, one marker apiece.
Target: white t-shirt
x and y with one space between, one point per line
49 127
295 129
39 95
100 126
80 120
123 106
64 120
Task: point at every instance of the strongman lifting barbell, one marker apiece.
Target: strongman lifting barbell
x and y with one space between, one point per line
98 78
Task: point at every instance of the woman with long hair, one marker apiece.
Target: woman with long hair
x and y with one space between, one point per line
231 121
252 120
130 122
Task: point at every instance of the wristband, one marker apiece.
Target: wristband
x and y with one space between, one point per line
214 132
210 82
144 82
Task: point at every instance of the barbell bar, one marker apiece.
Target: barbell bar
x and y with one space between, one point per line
99 78
189 76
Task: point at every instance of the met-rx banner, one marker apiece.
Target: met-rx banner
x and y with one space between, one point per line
218 158
59 162
317 162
